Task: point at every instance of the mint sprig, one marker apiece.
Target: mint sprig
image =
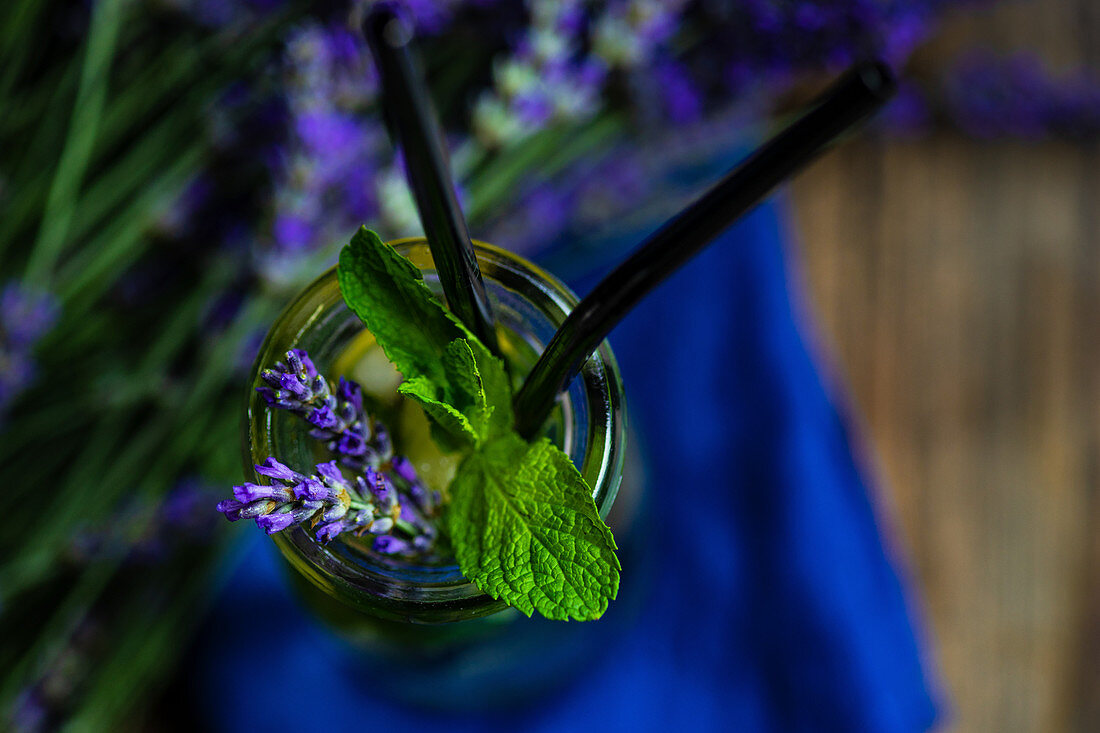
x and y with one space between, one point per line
521 517
525 529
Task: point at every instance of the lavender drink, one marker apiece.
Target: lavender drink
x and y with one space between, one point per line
415 615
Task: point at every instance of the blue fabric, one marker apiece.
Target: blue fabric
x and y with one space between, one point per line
777 609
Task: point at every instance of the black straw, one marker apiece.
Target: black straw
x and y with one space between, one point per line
414 129
853 98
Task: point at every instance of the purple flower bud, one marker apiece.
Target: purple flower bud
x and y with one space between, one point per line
328 532
231 509
267 394
272 376
408 509
299 361
311 489
351 444
387 544
403 467
331 472
419 494
381 525
382 439
348 391
336 511
305 511
258 508
273 469
272 523
370 481
249 492
324 417
293 384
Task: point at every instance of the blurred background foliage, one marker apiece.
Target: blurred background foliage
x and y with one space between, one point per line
173 171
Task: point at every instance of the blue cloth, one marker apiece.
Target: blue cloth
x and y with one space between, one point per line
778 608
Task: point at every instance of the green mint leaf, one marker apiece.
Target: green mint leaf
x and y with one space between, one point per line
465 388
497 388
525 530
458 407
388 294
456 425
423 339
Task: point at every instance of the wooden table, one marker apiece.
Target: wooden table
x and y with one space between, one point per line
958 288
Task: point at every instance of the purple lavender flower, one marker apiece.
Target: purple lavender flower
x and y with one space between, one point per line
291 498
338 419
322 172
26 315
991 96
390 545
387 495
682 100
141 532
330 503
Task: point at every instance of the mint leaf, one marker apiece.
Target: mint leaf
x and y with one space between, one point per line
458 406
457 426
464 385
497 388
423 339
525 530
388 294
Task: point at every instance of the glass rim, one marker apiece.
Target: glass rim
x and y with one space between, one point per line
428 596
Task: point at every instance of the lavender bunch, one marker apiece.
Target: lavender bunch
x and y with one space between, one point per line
386 497
338 419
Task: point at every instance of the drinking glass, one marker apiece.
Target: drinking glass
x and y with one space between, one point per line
419 629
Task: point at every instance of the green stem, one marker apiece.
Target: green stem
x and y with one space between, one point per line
119 244
155 150
148 645
185 432
31 177
91 96
14 47
113 471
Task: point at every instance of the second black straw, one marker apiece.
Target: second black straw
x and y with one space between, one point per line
858 94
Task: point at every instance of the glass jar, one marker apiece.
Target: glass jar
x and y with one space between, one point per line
420 627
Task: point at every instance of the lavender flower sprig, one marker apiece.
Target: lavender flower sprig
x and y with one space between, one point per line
338 419
386 497
324 498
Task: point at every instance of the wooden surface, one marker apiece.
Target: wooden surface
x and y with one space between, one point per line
957 286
